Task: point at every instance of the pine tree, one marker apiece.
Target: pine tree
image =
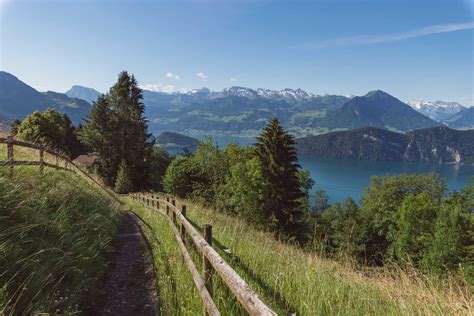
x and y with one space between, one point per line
116 131
123 184
278 157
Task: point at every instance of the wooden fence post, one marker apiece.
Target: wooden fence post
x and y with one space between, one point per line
174 213
41 159
206 265
167 206
183 230
10 157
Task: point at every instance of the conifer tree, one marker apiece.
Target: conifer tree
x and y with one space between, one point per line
123 184
276 150
116 131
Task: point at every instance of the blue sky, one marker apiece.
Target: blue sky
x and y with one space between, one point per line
411 49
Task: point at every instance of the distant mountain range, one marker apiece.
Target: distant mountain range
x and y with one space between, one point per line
17 100
238 110
438 144
88 94
437 110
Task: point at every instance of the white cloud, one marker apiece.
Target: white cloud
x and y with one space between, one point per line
232 79
203 76
374 39
159 88
171 75
169 88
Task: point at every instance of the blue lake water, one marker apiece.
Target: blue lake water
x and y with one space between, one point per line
348 178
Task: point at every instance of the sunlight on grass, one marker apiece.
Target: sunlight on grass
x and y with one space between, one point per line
292 280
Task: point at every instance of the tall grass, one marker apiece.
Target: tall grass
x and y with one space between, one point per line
290 279
54 230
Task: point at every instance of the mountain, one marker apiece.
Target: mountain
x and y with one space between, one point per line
88 94
464 119
244 112
377 109
176 143
438 144
436 110
236 111
18 99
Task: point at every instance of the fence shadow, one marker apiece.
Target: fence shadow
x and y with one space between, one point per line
236 261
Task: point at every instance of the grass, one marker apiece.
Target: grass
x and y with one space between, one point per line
54 231
292 280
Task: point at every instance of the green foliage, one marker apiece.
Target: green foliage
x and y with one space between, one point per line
277 154
52 129
177 179
116 130
380 207
415 227
123 184
159 162
342 224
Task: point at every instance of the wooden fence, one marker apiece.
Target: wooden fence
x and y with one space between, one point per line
67 164
11 162
212 261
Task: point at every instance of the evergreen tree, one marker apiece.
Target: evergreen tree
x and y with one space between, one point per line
116 130
123 184
276 150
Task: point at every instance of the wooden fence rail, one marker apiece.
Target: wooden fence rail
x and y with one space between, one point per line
242 291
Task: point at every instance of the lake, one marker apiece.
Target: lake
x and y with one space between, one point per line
348 178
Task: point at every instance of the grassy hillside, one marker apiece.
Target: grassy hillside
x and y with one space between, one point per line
292 280
54 231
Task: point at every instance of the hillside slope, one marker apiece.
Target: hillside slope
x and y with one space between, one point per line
438 144
17 100
288 278
55 229
377 109
463 119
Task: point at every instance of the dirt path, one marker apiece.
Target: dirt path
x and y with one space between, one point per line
128 287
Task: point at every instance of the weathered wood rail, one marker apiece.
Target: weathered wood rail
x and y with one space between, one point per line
11 162
68 164
211 259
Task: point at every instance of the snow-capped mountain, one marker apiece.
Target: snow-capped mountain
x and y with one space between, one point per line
288 94
436 110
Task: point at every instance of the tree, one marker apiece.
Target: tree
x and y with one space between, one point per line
342 228
178 178
277 154
116 131
160 161
123 184
380 208
52 129
414 227
320 201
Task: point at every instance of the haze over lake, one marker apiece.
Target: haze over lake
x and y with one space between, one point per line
348 178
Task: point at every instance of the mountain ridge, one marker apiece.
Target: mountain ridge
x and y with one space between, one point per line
437 144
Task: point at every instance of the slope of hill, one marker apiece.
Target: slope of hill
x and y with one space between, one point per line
56 229
438 144
88 94
464 119
17 100
377 109
436 110
288 278
175 142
